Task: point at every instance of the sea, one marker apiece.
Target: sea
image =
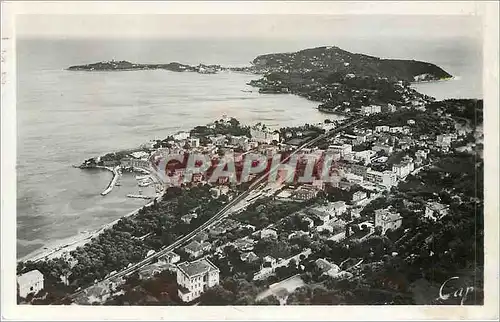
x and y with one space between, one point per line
66 117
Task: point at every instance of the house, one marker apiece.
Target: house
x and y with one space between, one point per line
97 293
421 154
305 192
371 109
382 128
444 140
201 237
262 134
396 129
30 282
194 278
298 234
149 271
358 195
187 218
387 220
181 136
386 178
268 233
169 258
269 264
382 147
435 210
326 267
402 169
338 208
244 244
342 149
193 142
249 257
194 249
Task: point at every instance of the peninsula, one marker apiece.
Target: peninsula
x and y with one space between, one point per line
341 81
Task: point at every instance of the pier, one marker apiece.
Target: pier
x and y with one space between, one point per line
140 196
116 174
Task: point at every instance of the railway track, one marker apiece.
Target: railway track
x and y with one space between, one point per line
226 210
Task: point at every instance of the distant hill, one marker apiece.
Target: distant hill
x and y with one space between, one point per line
336 60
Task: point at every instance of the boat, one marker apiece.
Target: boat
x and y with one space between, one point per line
144 183
142 177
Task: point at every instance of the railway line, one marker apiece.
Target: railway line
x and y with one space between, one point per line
226 210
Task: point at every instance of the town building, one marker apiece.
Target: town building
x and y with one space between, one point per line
30 283
337 208
382 147
249 257
382 128
305 192
387 220
435 210
371 109
326 267
194 278
262 134
169 258
358 196
181 136
403 169
268 233
188 217
194 249
386 178
343 149
444 140
193 142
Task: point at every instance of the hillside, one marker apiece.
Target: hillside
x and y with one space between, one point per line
336 60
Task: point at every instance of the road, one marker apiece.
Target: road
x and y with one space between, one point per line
226 210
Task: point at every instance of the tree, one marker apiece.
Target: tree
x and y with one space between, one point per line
217 295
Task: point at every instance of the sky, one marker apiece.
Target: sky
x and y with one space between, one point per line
244 26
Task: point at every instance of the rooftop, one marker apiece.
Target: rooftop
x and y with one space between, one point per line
197 267
29 277
193 246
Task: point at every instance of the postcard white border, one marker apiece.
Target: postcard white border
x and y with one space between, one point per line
487 10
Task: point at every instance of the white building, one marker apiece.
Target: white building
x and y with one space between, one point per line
444 140
371 109
181 136
169 258
403 169
337 208
193 142
358 195
260 133
435 210
194 278
387 220
30 282
382 128
386 178
268 233
343 149
382 147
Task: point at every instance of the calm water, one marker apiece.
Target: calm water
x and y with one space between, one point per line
65 117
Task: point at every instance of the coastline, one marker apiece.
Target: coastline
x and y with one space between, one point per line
65 246
435 80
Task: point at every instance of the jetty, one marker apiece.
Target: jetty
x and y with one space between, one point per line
116 174
140 196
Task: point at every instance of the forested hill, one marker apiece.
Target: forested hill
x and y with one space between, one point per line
336 60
